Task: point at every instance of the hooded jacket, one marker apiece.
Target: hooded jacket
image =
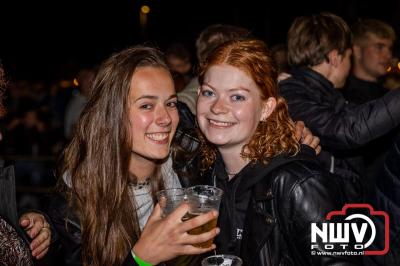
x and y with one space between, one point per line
267 210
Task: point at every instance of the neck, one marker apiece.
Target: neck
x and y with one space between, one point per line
360 73
234 163
325 70
141 167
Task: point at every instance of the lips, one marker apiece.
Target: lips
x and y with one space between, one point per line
220 124
161 137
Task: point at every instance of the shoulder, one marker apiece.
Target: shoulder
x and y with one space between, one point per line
61 214
307 191
300 173
292 82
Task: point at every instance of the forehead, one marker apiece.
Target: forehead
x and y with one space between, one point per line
225 76
152 81
372 38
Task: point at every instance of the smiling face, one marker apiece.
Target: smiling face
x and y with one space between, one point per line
153 113
229 107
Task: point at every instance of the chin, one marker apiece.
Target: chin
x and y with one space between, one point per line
160 156
217 141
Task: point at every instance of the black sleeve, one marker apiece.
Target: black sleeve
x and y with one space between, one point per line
68 229
343 126
129 261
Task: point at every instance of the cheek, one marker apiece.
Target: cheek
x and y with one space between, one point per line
247 113
199 105
175 119
202 107
140 122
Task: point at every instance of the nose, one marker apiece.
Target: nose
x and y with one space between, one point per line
163 117
219 106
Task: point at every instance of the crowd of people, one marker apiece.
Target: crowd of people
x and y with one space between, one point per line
289 134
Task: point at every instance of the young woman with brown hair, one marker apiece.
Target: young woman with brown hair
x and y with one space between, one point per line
113 167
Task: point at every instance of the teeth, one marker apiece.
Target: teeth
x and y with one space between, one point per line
220 124
157 136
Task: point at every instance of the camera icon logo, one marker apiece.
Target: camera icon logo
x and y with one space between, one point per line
351 231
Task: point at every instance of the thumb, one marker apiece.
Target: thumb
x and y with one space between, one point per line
24 221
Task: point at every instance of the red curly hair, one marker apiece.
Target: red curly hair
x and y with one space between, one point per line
275 135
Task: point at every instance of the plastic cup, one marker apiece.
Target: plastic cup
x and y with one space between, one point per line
170 199
202 199
222 260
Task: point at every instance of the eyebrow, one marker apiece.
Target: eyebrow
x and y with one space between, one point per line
154 97
233 89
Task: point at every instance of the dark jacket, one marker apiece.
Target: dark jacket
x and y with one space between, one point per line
387 198
269 210
341 126
360 91
68 227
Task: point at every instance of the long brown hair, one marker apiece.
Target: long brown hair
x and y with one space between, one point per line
97 160
276 134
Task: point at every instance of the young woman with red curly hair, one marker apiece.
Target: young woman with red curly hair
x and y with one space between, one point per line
273 187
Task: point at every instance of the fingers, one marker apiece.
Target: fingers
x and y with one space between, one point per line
179 212
196 239
24 222
41 242
37 228
32 223
314 142
199 220
192 250
318 149
42 254
299 127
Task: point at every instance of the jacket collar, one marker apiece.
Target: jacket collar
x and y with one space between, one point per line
313 75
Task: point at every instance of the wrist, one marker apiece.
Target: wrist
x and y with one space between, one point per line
141 260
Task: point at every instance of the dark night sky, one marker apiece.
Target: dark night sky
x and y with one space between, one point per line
42 40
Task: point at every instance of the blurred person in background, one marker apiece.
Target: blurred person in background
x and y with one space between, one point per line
180 64
372 54
279 54
319 67
30 235
208 39
78 101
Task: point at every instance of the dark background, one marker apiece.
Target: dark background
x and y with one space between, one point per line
43 40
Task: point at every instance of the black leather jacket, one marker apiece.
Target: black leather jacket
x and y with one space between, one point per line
68 228
283 198
341 126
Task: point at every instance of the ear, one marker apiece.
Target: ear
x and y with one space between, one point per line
334 57
268 107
